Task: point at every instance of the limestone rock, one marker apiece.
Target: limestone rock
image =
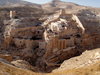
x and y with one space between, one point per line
86 59
8 69
6 57
23 64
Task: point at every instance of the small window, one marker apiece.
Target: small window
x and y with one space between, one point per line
67 37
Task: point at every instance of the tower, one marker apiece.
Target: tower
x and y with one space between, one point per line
12 14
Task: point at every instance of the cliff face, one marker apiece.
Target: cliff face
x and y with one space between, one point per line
60 37
88 58
35 39
93 68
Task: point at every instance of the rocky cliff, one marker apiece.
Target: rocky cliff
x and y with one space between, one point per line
93 67
36 39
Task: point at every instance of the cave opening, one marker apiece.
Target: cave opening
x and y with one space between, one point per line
35 38
78 36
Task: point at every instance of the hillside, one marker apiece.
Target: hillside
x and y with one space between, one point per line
69 6
52 6
16 3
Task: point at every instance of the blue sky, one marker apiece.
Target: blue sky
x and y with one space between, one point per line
93 3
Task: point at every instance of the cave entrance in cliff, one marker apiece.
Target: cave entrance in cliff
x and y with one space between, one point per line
35 38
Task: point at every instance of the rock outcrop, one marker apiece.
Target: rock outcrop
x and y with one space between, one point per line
91 24
23 64
6 57
86 59
6 68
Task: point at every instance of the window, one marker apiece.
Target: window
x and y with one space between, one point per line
78 36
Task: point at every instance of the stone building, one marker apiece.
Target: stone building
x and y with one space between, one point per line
63 33
53 42
12 14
